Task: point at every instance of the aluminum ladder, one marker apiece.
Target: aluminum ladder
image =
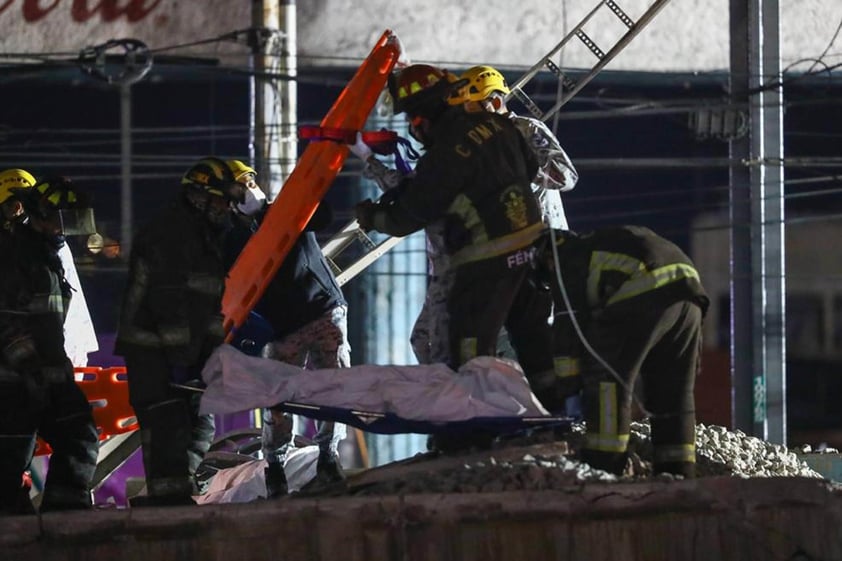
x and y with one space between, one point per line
352 233
346 238
570 87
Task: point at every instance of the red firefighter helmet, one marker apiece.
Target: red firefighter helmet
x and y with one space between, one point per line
421 89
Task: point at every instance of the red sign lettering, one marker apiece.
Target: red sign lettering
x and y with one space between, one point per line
80 12
135 10
32 10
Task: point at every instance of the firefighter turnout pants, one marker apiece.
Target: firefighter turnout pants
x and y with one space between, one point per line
661 346
500 292
58 411
174 437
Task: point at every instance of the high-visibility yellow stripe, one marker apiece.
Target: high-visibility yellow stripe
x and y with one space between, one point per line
654 279
498 246
605 437
215 327
606 442
464 208
607 408
606 261
46 302
205 283
467 349
640 280
415 87
675 453
565 366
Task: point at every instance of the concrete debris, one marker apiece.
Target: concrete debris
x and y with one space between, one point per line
719 452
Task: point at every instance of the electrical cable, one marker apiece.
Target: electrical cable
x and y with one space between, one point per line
572 315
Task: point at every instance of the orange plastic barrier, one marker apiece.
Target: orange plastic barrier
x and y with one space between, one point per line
305 187
107 391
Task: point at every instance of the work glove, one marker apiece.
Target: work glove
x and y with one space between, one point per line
360 149
255 200
365 211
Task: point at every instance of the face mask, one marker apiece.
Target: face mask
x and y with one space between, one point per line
254 201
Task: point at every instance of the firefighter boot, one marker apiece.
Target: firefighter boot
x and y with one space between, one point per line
276 480
328 472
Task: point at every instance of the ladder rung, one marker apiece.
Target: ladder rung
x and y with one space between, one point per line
590 44
569 87
367 242
614 7
566 81
528 103
341 240
360 264
344 239
334 268
541 63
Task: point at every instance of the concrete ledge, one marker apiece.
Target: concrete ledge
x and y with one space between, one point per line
715 518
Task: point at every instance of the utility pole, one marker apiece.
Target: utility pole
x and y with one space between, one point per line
758 351
126 211
288 89
273 139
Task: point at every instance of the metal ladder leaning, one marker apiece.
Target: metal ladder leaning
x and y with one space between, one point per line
343 239
351 233
570 87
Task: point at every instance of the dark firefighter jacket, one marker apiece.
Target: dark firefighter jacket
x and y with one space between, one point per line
33 302
475 174
304 288
173 298
626 267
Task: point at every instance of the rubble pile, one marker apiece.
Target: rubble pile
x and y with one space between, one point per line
719 452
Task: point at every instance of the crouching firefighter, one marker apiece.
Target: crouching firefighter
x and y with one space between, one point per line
638 301
38 394
171 321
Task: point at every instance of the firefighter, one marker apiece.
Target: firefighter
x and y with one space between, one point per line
474 177
79 335
170 322
639 303
307 312
10 206
38 393
428 338
486 90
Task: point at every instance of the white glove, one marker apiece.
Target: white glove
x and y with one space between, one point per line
254 201
360 149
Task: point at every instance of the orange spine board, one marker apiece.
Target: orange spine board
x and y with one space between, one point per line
303 190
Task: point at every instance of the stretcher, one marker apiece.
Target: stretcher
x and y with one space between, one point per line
303 191
486 393
390 423
107 390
